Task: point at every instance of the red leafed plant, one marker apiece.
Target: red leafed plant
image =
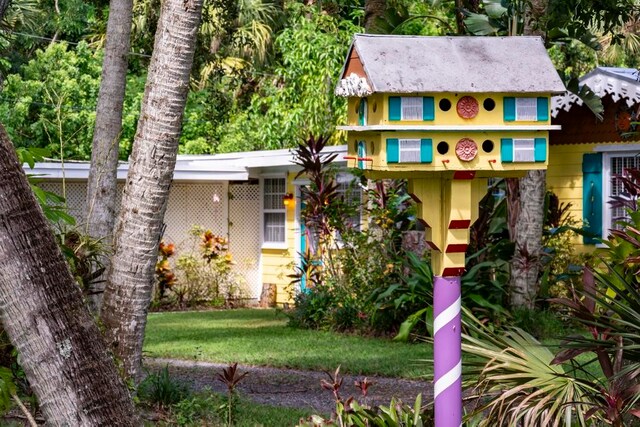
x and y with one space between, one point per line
164 275
230 377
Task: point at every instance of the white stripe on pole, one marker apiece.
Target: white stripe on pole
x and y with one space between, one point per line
447 315
447 379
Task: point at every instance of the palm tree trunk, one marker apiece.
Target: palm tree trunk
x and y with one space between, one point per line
100 206
42 310
527 235
130 279
526 224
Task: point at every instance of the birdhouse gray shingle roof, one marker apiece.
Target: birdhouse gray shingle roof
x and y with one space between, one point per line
415 64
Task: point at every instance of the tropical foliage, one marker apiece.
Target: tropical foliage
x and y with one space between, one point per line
350 270
198 273
595 375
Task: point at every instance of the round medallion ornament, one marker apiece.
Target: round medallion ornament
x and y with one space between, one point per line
467 107
466 149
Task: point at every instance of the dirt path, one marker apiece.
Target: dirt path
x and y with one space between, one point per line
292 388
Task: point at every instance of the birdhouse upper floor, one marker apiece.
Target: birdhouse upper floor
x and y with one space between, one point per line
383 111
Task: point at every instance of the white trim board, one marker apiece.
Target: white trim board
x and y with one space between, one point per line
449 128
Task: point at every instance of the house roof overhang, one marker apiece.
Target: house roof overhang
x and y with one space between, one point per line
620 83
218 167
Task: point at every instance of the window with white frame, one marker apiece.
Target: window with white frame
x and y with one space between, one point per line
524 150
526 109
274 212
412 107
409 150
615 165
349 190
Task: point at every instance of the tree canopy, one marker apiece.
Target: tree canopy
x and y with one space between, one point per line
264 71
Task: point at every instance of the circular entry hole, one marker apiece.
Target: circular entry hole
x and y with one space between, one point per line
443 147
444 104
489 104
487 146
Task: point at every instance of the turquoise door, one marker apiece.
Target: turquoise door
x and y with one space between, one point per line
362 153
362 112
303 248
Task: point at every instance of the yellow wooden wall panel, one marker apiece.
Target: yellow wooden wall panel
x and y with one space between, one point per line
277 263
451 117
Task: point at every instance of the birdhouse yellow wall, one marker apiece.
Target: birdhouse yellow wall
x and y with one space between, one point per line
377 110
492 140
278 263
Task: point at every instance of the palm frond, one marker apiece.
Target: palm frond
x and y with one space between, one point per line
513 369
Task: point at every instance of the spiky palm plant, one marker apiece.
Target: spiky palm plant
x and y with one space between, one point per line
515 382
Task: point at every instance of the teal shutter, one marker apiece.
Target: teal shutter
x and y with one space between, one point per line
426 150
540 150
393 150
506 150
428 108
509 109
395 108
592 200
543 109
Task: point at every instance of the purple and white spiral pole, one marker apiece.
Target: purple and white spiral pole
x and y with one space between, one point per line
447 361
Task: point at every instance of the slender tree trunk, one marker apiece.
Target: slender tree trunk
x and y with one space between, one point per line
525 225
374 10
130 279
41 308
527 234
100 206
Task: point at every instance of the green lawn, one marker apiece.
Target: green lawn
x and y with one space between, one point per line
261 337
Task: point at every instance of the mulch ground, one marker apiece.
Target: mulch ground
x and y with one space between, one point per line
292 388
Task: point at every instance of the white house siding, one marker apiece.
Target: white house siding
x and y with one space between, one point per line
205 204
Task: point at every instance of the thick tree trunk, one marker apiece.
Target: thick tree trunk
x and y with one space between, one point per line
130 279
41 308
374 10
100 206
525 265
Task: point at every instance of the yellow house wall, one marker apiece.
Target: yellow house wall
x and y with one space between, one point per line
564 178
443 118
278 263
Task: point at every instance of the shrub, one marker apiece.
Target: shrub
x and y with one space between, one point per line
161 390
351 413
201 274
347 268
199 409
539 323
165 278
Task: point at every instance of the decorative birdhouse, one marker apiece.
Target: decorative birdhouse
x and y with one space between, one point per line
445 113
425 104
